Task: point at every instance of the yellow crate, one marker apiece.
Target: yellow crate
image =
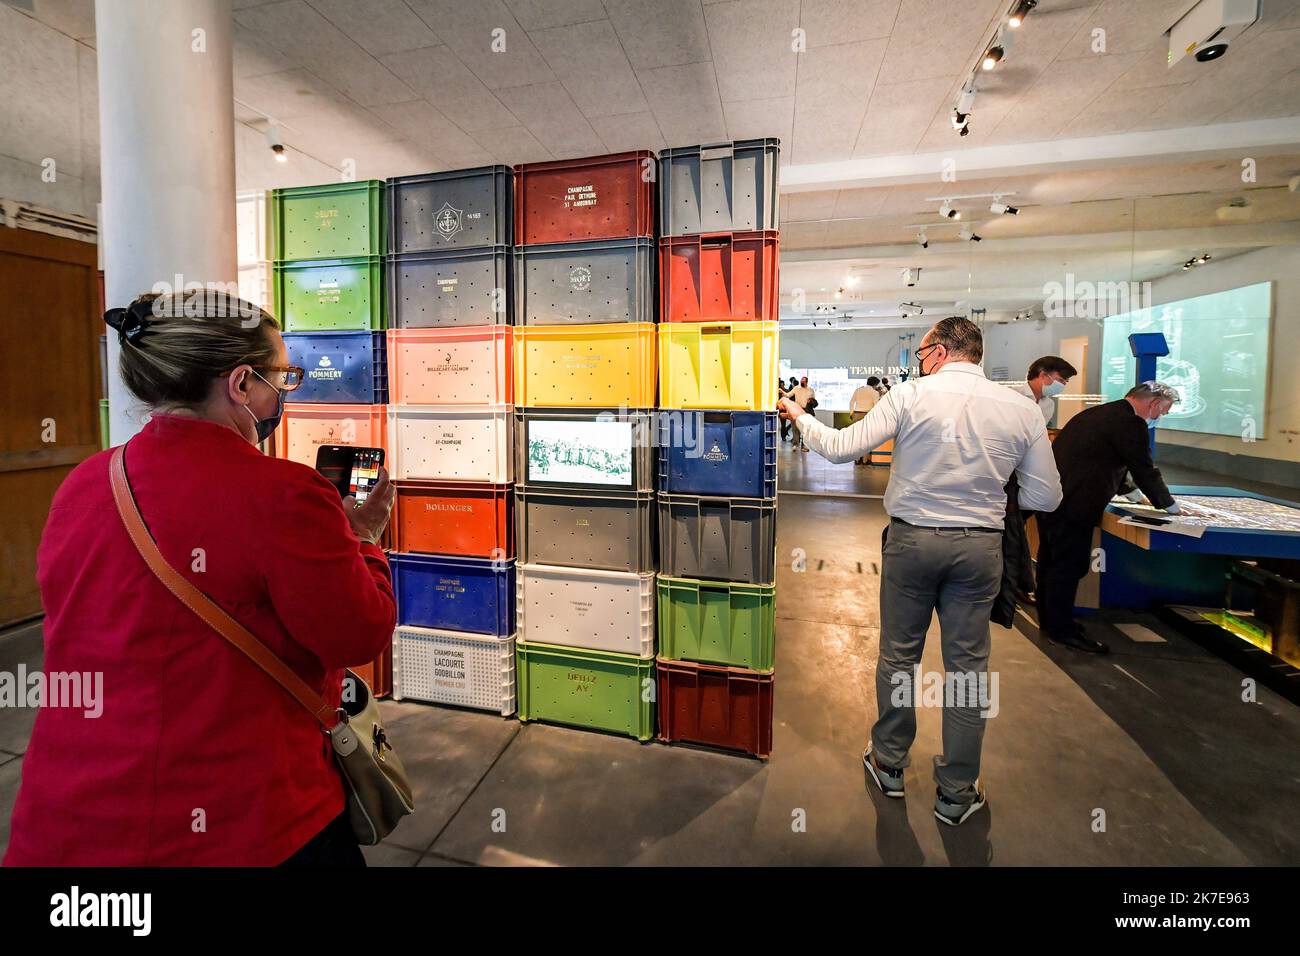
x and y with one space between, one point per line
731 365
585 366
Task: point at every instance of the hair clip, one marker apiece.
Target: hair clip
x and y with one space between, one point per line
132 323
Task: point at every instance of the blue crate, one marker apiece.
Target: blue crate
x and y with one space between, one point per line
340 368
455 594
723 453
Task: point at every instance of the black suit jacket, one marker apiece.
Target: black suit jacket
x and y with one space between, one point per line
1094 450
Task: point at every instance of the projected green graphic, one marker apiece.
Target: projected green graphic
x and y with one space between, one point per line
1218 358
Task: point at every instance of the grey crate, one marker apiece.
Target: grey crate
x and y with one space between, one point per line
604 530
724 187
455 287
585 283
460 209
719 539
644 459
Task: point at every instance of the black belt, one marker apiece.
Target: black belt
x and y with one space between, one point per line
970 529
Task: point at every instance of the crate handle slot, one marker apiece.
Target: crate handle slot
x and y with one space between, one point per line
717 418
714 151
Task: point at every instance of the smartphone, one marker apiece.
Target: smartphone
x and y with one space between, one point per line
352 469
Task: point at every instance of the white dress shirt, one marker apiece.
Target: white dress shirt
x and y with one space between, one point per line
1045 405
957 440
864 399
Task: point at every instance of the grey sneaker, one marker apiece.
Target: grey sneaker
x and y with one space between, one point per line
889 780
955 814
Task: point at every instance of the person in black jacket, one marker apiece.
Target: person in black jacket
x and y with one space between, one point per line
1093 452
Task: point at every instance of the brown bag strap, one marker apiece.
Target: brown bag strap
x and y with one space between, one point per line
204 607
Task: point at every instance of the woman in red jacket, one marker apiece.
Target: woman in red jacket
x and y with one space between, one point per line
197 756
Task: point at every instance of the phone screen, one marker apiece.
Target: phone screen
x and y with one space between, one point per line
352 469
365 472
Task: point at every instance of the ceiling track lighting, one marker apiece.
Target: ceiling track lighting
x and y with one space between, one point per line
998 207
992 56
970 235
1018 13
274 141
948 212
923 240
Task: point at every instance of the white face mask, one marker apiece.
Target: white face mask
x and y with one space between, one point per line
1052 389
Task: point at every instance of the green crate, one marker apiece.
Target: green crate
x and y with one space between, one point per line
718 622
330 295
585 688
335 221
103 423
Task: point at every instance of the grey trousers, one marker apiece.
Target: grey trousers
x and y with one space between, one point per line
957 573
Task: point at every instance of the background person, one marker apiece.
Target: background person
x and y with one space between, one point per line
189 723
1093 451
805 398
958 438
784 392
1047 378
864 400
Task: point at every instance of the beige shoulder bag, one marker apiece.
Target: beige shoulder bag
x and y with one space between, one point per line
378 792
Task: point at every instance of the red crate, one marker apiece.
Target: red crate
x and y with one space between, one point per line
728 275
727 707
599 197
461 518
378 674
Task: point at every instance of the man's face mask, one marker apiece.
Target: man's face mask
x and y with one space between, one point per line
265 427
1052 389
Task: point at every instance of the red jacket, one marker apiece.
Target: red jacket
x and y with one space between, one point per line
198 758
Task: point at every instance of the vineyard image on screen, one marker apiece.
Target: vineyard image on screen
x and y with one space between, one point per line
589 453
1218 358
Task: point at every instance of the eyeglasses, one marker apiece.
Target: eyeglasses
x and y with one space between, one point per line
292 375
926 349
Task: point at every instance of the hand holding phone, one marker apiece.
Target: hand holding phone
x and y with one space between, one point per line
362 482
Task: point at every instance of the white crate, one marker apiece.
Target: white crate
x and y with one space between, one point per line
582 607
451 442
454 667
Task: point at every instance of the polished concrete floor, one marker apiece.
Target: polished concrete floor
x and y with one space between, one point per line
1146 757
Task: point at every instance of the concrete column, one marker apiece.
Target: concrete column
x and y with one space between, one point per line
167 157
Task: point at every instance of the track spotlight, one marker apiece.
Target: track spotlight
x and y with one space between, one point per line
1000 208
1019 12
992 57
923 240
959 119
969 235
947 211
1205 258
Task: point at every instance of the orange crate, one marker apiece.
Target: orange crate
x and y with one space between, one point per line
306 427
730 275
467 519
451 365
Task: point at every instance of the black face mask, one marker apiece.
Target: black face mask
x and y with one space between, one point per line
920 362
265 427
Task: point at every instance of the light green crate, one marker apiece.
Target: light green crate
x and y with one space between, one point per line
330 295
718 622
333 221
103 423
585 688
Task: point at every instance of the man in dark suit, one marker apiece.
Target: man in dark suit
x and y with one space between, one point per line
1093 452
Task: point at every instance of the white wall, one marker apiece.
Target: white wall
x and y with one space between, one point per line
1015 345
1281 265
815 348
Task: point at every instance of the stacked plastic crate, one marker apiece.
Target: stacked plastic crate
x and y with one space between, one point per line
584 271
717 450
327 246
450 433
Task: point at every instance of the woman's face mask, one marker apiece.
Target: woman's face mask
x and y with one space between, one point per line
265 427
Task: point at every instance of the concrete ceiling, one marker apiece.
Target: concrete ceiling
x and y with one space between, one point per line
389 87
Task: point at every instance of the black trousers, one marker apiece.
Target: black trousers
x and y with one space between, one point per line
336 845
1064 554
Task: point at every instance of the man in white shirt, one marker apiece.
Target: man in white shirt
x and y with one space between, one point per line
864 400
802 396
1047 378
958 438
